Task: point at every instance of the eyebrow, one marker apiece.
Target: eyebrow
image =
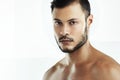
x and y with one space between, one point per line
57 19
73 19
67 20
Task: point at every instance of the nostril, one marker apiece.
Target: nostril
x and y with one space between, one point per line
64 33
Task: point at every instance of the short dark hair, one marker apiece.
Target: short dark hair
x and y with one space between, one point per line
63 3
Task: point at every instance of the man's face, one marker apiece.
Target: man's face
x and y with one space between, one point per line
70 27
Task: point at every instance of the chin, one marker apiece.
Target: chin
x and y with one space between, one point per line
67 50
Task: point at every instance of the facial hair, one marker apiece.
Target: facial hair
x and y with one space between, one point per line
79 45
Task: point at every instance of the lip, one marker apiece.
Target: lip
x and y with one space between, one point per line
65 42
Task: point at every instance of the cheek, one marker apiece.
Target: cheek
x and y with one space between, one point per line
56 33
78 33
80 27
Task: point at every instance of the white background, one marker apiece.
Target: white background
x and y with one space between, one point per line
27 45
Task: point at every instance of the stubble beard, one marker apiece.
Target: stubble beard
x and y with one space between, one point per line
78 46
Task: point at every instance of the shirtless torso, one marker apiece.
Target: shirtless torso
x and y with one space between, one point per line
98 67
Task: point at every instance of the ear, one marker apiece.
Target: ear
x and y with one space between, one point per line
89 20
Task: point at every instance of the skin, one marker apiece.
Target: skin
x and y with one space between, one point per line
84 63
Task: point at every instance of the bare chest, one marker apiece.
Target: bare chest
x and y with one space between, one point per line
73 75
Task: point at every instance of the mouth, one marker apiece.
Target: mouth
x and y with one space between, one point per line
66 41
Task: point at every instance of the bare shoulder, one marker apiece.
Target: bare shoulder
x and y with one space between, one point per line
51 72
48 73
108 68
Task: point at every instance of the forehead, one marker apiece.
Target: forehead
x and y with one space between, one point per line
72 11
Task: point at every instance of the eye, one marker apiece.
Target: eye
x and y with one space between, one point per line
73 22
58 23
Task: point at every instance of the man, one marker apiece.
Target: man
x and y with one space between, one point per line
72 20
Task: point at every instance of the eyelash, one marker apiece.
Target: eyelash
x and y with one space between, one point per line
72 22
58 23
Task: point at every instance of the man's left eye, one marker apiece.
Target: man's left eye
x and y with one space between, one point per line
72 22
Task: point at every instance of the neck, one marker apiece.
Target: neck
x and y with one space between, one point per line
81 55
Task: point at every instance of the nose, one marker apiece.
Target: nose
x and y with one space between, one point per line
65 30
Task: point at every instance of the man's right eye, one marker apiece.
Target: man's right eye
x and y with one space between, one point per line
57 23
